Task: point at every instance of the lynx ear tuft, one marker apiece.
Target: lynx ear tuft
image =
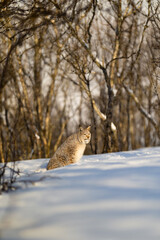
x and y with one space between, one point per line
89 128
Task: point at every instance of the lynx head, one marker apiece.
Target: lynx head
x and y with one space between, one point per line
84 135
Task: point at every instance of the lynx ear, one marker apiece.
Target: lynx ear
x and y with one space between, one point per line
89 128
81 129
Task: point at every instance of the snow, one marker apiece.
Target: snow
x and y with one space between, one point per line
108 197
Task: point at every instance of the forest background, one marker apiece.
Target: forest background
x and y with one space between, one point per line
69 63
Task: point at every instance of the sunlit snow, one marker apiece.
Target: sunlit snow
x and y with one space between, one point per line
107 197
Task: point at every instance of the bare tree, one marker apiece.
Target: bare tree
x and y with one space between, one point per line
66 63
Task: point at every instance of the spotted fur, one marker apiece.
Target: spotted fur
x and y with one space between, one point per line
71 150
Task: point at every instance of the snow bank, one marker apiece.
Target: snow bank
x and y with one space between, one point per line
108 197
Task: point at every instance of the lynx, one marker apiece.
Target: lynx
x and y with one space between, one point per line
71 150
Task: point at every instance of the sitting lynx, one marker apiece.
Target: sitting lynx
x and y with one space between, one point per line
71 150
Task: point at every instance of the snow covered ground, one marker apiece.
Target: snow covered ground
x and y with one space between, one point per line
107 197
